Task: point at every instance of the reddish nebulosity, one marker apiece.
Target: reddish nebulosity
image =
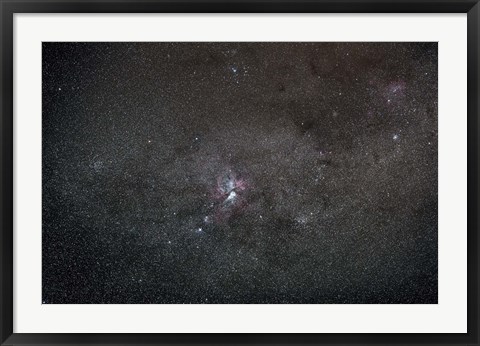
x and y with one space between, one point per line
229 196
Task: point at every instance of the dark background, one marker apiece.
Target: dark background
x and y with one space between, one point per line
331 149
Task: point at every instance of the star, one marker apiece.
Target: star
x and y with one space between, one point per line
239 172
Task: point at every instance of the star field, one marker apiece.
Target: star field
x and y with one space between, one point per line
239 173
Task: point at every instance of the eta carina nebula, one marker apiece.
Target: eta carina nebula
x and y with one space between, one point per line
239 173
229 196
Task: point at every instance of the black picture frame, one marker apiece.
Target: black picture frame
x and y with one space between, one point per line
9 7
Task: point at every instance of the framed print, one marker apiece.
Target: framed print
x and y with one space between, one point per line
239 173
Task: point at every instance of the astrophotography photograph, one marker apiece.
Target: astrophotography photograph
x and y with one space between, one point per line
239 173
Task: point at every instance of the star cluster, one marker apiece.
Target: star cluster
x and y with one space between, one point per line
239 173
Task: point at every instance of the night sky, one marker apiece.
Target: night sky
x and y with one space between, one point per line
239 173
